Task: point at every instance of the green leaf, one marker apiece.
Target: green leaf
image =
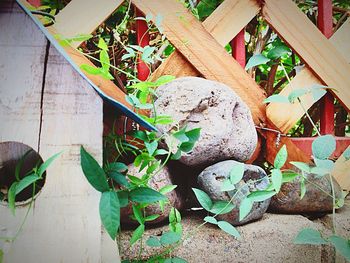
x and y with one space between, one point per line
227 186
259 196
102 44
167 189
11 197
289 176
137 234
93 172
295 94
110 212
169 238
309 236
164 80
281 157
326 164
222 207
151 147
160 152
193 135
138 214
147 52
245 207
104 59
152 241
346 154
90 69
323 146
119 179
46 164
203 199
341 245
318 91
151 217
211 220
81 37
20 164
278 52
236 173
228 228
302 166
174 215
25 182
186 146
276 178
320 171
276 98
123 197
146 195
256 60
117 167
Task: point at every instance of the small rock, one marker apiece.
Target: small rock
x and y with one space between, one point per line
211 179
315 200
228 130
175 197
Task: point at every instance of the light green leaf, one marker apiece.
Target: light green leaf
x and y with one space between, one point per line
102 44
151 217
227 186
295 94
46 164
203 199
244 208
138 214
175 260
326 164
81 37
11 197
259 196
323 146
167 189
278 52
228 228
110 212
174 215
341 245
236 173
281 157
302 166
309 236
169 238
146 195
320 171
153 241
93 172
318 91
117 167
147 52
25 182
222 207
211 220
104 59
289 176
164 80
151 147
276 178
137 234
90 69
160 152
276 98
256 60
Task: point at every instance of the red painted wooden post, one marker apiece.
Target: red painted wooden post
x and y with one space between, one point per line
325 24
35 3
238 48
142 38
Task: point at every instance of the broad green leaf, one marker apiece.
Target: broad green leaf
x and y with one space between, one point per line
104 59
323 146
276 178
167 189
228 228
102 44
181 135
46 164
193 135
302 166
244 208
137 214
309 236
281 157
164 80
227 186
236 173
110 212
119 179
145 195
289 176
160 152
326 164
295 94
186 146
153 241
278 52
259 196
211 220
151 147
137 234
81 37
11 197
222 207
25 182
169 238
174 215
117 167
341 245
319 171
276 98
176 227
151 217
256 60
90 69
93 172
123 197
203 199
147 52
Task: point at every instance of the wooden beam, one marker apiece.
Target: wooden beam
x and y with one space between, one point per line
313 47
341 172
285 116
84 16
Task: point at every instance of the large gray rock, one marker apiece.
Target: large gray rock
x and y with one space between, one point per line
211 179
175 197
228 130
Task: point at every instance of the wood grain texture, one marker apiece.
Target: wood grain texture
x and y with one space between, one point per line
314 48
285 116
212 61
84 16
341 172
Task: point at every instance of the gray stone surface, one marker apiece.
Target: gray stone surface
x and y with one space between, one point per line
211 179
228 130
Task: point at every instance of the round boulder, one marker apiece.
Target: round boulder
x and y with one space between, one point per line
212 178
227 127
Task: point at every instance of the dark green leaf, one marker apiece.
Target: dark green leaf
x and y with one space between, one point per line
323 146
236 173
169 238
222 207
259 196
276 178
281 157
186 146
278 52
145 195
93 172
193 135
228 228
25 182
309 236
119 179
110 212
203 199
11 197
46 164
244 208
276 98
341 245
138 214
20 164
117 167
137 234
256 60
152 241
211 220
123 198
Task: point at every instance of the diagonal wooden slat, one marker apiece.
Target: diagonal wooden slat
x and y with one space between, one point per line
341 172
285 116
221 26
314 48
84 16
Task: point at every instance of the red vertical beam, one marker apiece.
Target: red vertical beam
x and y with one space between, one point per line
238 48
142 38
325 24
35 3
